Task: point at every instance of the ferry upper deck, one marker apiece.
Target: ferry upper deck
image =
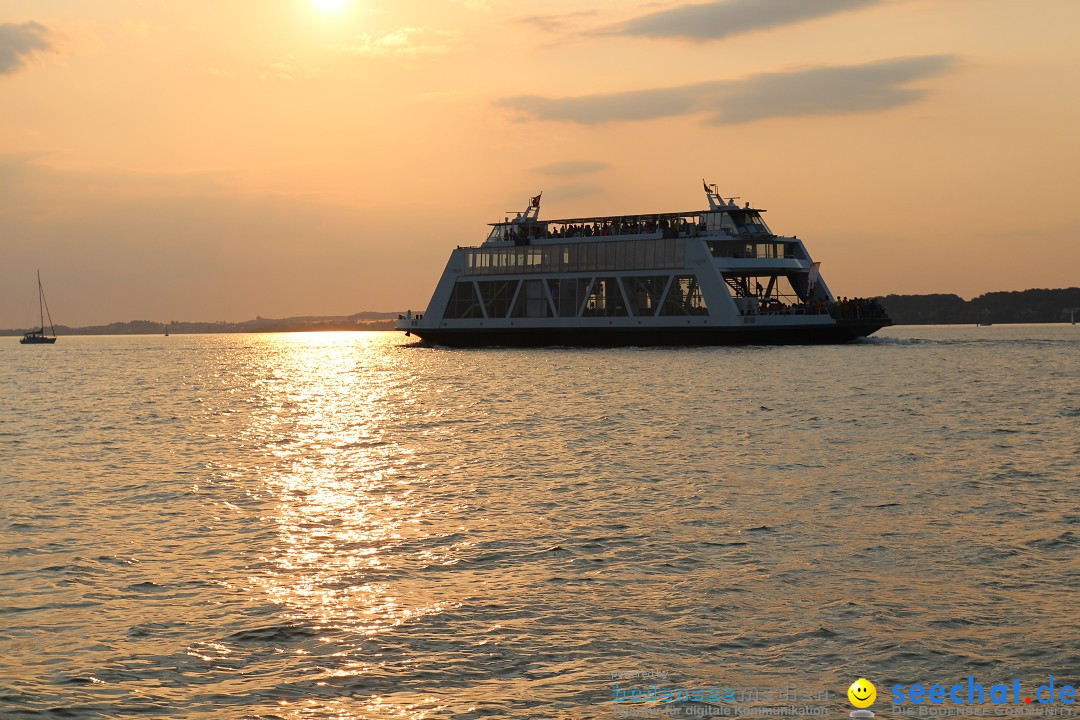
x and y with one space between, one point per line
723 218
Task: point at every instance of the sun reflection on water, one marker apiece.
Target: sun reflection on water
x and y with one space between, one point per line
343 491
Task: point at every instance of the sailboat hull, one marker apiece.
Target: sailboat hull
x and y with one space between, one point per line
37 340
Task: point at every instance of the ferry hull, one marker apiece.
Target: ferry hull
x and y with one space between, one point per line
842 332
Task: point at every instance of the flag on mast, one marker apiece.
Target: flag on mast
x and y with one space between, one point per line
812 277
535 202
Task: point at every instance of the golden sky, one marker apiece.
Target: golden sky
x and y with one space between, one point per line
192 160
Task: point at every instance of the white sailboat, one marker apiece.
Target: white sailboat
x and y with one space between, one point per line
38 337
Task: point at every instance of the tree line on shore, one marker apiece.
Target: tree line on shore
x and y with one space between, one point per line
1025 306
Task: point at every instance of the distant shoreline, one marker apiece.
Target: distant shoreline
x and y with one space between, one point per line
360 321
1024 307
386 327
77 332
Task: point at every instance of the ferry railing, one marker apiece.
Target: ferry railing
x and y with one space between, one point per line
858 309
764 310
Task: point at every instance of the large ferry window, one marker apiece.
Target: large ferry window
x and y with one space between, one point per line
650 255
611 255
644 293
738 220
547 263
605 299
463 302
684 297
496 295
577 257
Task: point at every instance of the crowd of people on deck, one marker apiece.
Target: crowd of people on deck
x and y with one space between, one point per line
844 307
855 308
773 306
621 226
669 228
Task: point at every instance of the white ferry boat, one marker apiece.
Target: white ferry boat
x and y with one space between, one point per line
705 277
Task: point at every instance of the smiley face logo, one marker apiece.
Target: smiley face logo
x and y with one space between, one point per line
862 693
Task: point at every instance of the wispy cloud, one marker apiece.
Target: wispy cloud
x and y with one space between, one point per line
403 42
288 70
574 191
21 43
568 168
555 23
817 91
726 18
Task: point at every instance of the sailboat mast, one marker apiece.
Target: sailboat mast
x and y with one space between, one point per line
43 302
40 299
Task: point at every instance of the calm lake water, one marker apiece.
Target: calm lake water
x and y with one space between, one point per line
342 526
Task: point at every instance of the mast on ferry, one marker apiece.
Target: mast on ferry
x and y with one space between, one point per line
716 201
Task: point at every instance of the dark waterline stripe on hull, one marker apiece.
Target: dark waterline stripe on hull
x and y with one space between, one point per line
622 337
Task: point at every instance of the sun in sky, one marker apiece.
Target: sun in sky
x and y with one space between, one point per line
329 5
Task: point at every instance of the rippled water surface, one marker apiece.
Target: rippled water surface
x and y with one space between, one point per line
343 526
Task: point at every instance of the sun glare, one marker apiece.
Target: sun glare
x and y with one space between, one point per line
329 5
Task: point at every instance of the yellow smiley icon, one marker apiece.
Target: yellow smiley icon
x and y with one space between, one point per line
862 693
